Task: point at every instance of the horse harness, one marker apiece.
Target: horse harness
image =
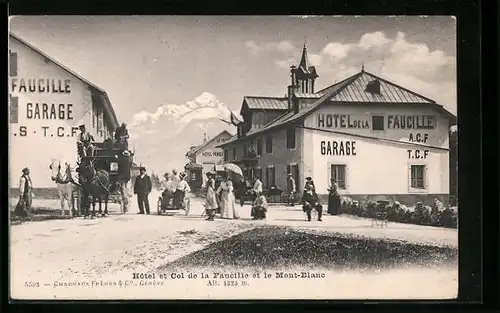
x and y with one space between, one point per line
69 178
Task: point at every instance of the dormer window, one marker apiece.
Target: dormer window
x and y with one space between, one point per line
373 87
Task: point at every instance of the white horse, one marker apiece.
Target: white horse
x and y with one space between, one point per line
62 175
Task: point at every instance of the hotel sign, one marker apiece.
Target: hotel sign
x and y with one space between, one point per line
340 121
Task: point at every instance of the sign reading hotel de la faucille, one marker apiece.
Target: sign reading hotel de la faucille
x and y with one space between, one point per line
347 121
42 110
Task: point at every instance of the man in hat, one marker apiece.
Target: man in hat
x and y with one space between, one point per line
26 192
310 201
121 135
241 190
310 182
257 187
291 187
85 141
142 188
168 189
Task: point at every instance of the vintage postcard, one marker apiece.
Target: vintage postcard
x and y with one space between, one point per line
233 157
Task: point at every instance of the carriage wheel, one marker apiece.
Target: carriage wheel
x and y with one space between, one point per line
158 205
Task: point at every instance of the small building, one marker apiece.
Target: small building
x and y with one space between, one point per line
205 158
47 103
376 139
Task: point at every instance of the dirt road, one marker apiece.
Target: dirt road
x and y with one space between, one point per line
99 248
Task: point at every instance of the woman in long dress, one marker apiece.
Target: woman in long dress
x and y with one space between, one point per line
333 199
211 199
228 201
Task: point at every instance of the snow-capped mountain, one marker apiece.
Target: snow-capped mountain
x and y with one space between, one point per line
163 137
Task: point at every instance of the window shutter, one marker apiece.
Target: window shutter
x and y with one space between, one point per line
13 64
14 110
409 177
296 176
426 177
346 176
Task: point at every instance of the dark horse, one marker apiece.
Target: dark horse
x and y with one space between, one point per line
96 184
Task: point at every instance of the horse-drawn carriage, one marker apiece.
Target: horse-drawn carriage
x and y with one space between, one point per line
104 176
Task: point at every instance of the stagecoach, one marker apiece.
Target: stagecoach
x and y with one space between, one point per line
117 162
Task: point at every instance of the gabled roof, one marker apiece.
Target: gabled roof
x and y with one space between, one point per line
303 95
99 90
389 92
352 89
265 103
198 148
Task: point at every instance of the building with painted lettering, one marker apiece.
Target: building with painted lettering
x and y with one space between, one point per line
47 103
377 139
205 158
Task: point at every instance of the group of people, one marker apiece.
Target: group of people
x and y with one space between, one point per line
223 198
85 141
174 186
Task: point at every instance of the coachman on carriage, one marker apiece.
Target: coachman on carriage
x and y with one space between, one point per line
103 175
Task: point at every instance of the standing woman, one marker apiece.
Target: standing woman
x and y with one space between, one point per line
333 199
210 199
180 192
228 202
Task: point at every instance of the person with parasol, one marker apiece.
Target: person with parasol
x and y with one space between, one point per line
226 190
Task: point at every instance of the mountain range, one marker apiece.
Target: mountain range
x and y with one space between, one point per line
162 138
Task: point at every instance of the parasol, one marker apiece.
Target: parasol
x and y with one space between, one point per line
233 168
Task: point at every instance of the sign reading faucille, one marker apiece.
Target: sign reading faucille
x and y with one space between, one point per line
340 121
411 122
42 110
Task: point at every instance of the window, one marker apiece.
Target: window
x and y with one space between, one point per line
373 87
269 144
245 150
94 115
418 176
337 173
12 63
234 153
377 122
100 120
14 110
226 154
290 137
270 177
294 170
259 146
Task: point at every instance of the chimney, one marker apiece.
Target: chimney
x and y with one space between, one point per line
291 88
289 97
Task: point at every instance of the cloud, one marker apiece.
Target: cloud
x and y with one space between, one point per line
162 137
252 46
174 117
412 65
281 47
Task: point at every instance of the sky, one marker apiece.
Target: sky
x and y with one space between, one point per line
158 68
